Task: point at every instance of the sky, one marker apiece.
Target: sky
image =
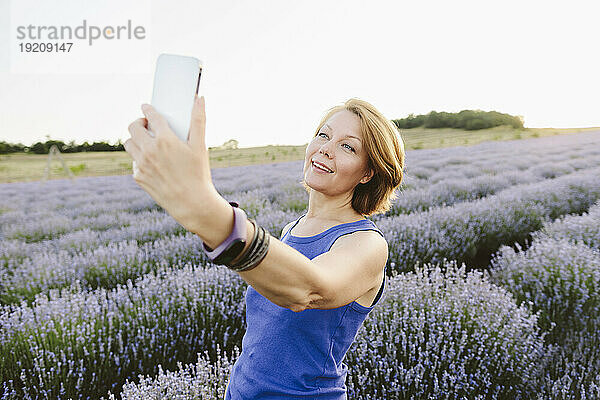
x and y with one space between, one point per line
272 68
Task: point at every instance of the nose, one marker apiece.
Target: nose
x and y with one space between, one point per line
324 149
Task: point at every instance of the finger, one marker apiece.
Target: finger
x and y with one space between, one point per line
156 121
143 122
133 150
139 134
197 134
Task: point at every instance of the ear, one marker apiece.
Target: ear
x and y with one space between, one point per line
367 177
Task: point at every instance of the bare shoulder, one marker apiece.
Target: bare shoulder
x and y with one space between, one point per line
367 253
363 239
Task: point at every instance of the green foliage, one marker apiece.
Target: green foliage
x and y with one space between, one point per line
77 168
71 147
6 148
466 119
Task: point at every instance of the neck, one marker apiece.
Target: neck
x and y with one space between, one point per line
323 207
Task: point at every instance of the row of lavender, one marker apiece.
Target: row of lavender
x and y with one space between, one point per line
527 329
466 232
45 214
108 249
81 343
74 227
144 366
27 202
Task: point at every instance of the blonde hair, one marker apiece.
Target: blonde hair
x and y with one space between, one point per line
385 151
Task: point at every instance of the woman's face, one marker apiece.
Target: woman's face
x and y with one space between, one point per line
341 153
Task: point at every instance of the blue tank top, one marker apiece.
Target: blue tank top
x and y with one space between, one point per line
298 355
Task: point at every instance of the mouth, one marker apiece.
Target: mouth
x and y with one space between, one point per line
319 169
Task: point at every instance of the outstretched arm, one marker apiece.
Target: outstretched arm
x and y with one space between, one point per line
285 276
354 264
177 176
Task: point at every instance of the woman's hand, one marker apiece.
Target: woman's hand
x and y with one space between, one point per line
175 174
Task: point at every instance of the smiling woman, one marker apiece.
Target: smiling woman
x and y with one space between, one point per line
304 309
375 145
309 292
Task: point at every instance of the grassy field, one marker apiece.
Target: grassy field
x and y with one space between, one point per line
20 167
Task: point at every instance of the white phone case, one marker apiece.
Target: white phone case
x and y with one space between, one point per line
176 82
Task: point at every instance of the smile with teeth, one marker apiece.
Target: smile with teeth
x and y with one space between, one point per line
318 167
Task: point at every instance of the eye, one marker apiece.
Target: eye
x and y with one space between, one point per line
349 147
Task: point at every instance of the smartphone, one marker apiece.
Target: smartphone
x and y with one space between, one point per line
176 82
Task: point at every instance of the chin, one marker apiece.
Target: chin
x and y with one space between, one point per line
308 183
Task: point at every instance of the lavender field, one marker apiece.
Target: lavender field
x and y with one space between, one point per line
493 290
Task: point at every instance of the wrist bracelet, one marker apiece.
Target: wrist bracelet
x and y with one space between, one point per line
256 257
253 244
256 252
233 245
246 260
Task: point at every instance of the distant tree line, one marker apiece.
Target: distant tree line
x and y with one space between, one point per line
230 144
466 119
71 147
